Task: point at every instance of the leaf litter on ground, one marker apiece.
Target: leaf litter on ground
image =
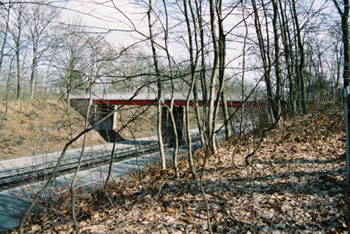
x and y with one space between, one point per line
295 184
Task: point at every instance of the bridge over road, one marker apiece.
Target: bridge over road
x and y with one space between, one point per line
102 105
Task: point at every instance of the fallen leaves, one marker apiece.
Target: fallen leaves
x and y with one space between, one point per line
294 185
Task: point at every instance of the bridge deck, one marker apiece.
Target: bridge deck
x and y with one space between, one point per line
151 99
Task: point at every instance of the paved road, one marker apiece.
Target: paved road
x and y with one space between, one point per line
44 162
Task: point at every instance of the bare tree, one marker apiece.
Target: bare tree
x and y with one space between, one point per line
345 31
38 19
5 15
277 59
70 61
16 31
265 56
287 45
193 62
301 66
159 88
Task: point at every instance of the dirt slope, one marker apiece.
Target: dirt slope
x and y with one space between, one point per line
29 128
38 127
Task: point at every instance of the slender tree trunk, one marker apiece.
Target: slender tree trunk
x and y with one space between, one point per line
287 55
4 42
203 129
17 41
345 30
159 90
302 59
171 109
32 74
8 84
193 62
69 82
193 71
264 51
243 71
222 67
277 60
213 79
346 77
18 74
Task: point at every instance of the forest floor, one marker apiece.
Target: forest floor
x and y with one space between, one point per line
294 184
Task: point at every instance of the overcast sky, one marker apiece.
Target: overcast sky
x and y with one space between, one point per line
109 17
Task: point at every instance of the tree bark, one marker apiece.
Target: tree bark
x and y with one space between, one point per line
159 90
345 29
287 55
193 62
204 88
171 108
302 59
222 67
213 79
277 60
264 52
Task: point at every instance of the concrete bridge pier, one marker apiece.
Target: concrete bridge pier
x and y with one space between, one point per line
106 128
102 111
167 126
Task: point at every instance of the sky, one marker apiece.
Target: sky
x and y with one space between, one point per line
110 17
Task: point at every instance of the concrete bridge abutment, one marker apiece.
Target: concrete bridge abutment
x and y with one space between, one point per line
167 125
99 111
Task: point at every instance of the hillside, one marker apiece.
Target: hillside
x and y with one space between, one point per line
39 127
294 185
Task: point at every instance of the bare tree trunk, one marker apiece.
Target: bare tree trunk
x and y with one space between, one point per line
75 226
18 74
277 59
345 30
193 62
32 74
203 129
222 67
171 113
4 41
213 79
8 84
17 37
302 59
346 77
159 90
264 51
243 78
287 55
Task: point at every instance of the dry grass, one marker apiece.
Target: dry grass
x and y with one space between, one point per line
35 127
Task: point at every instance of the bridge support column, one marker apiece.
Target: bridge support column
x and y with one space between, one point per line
102 111
167 126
